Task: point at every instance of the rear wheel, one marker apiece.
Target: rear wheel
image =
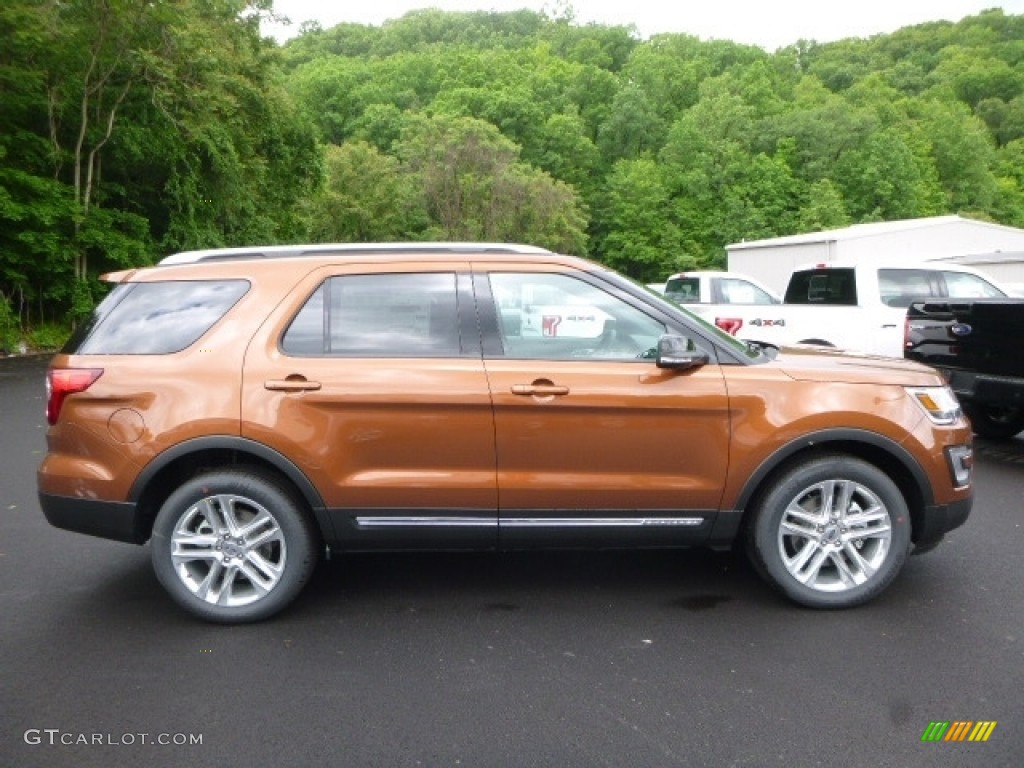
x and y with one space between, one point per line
831 532
232 547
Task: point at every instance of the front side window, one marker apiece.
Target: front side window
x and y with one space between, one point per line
556 317
157 318
384 315
963 285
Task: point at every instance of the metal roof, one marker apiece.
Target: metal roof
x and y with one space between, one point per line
873 229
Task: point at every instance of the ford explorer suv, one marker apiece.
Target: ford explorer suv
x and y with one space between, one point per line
249 411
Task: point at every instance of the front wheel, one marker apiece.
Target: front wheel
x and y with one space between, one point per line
232 547
831 532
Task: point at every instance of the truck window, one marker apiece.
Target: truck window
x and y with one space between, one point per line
685 290
736 291
822 286
962 285
900 287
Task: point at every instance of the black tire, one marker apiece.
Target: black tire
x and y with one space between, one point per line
996 422
232 547
858 549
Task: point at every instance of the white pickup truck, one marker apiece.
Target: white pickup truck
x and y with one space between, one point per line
849 306
709 287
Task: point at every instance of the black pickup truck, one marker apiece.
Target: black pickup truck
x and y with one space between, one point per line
978 344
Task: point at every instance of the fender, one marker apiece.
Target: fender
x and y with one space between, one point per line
891 448
230 443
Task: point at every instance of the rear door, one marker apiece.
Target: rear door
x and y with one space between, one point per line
371 380
595 443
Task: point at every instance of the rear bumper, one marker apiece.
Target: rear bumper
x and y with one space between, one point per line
971 386
938 520
105 519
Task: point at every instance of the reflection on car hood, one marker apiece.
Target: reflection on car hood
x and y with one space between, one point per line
823 364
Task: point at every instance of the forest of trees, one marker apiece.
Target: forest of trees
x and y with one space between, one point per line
130 129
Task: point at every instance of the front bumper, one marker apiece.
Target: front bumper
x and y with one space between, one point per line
938 520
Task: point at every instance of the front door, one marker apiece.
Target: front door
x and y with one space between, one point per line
595 443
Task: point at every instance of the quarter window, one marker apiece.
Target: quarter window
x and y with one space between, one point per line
384 315
157 318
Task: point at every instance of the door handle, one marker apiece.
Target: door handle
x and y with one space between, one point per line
543 390
294 383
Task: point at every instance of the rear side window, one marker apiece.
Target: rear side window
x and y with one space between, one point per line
735 291
823 286
386 315
900 287
155 318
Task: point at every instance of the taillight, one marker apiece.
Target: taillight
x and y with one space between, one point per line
729 324
61 382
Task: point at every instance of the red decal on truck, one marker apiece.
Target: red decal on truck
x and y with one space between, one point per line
550 325
729 324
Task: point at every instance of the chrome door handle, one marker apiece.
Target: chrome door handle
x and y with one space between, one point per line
544 390
292 384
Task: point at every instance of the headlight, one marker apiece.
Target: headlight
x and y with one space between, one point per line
939 403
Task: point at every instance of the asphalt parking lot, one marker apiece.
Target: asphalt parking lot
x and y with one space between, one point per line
541 659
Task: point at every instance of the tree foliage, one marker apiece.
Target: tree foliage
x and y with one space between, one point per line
131 128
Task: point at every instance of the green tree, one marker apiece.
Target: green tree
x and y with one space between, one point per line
475 188
641 238
366 197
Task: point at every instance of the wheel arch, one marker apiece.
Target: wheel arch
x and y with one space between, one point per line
184 460
877 450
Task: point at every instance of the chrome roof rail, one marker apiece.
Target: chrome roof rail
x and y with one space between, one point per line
312 249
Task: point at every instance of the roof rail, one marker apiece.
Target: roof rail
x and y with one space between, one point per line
290 251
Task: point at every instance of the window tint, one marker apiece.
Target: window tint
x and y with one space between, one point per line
155 318
826 286
557 317
387 315
685 290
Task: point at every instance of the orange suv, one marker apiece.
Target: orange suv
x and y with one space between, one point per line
248 410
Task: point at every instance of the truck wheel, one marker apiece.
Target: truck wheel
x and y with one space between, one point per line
995 421
831 532
232 547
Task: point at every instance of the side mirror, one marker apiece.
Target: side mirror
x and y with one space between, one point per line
679 353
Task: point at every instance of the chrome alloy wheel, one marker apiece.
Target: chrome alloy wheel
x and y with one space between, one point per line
834 535
228 550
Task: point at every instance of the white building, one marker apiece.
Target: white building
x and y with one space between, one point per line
993 248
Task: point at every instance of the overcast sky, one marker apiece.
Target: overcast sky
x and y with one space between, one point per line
768 23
